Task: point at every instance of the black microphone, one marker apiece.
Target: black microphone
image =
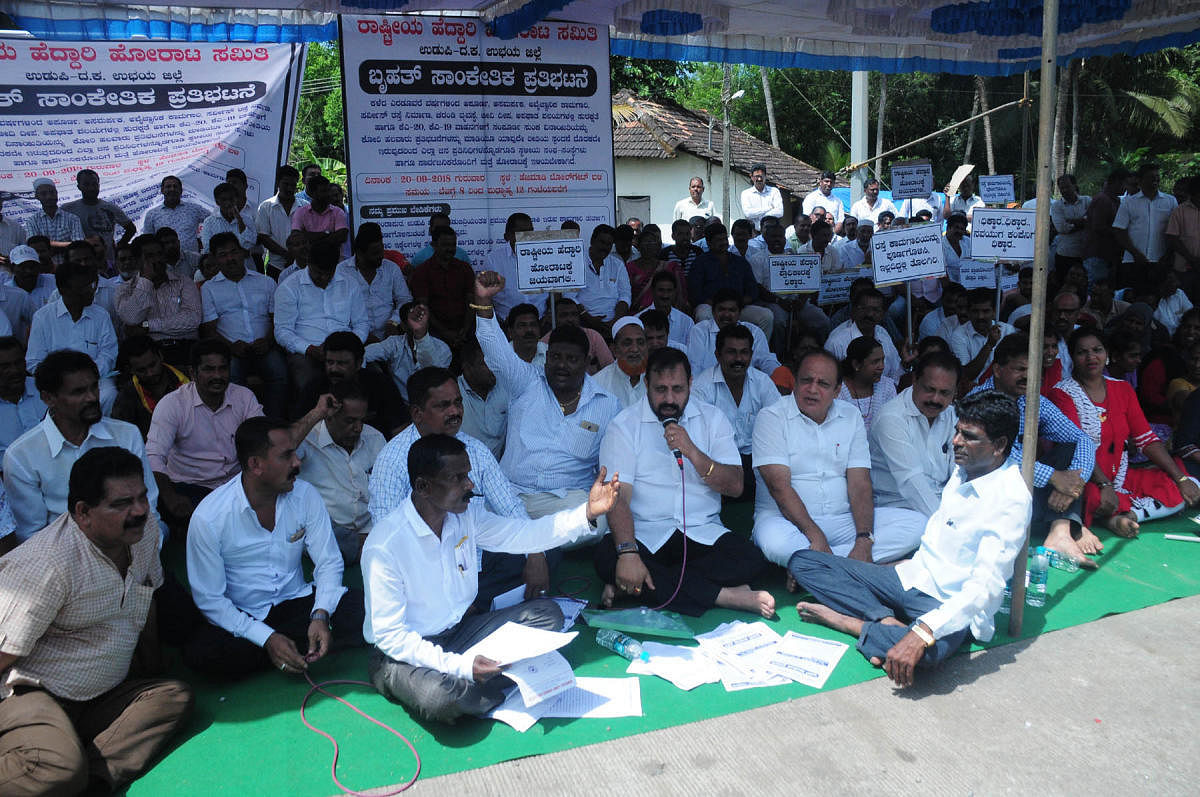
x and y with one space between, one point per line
675 451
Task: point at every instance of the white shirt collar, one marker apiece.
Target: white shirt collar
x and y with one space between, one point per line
56 441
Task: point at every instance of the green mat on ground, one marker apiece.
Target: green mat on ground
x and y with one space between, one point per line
247 737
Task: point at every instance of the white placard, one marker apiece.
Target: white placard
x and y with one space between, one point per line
794 273
136 112
1009 278
996 189
550 263
912 181
907 253
976 274
442 115
1004 233
835 285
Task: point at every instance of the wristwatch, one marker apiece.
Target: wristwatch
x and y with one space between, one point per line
626 547
870 535
320 614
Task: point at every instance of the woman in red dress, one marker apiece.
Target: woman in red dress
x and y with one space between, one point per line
1107 409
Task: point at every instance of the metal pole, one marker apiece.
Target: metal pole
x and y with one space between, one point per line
1041 257
908 302
859 118
725 153
1024 138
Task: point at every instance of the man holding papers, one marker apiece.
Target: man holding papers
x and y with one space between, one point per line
420 578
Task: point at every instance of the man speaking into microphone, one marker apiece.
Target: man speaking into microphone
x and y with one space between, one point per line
666 544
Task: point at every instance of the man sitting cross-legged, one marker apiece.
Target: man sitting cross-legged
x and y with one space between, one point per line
917 613
419 573
666 525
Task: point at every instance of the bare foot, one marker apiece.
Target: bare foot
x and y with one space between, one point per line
823 615
892 621
606 596
747 600
1089 543
792 586
1123 526
1060 540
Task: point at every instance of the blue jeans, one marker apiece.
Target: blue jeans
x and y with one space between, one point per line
872 593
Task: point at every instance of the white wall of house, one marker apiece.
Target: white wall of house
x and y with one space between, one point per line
665 181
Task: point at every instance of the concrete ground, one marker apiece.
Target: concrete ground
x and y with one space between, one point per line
1110 707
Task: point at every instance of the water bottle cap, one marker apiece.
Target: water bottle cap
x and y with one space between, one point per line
644 656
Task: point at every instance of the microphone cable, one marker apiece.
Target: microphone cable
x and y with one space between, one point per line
683 561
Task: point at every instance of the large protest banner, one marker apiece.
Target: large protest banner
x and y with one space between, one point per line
136 112
441 115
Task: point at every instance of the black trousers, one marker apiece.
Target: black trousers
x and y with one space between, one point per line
215 651
730 561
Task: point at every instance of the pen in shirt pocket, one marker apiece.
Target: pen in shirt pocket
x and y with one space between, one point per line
462 568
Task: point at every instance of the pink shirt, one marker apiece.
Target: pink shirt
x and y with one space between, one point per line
331 220
192 444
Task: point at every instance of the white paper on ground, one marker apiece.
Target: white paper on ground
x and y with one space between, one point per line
510 598
805 659
542 677
742 650
686 668
598 697
514 713
571 607
513 642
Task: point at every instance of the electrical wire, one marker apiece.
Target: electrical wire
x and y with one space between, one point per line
683 561
320 687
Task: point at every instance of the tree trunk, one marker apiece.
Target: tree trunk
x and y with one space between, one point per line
1073 157
981 87
971 129
762 70
1060 127
879 124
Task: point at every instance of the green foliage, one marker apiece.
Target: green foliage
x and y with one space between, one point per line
319 125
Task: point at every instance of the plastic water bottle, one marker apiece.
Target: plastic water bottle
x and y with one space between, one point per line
621 644
1039 567
1006 600
1061 561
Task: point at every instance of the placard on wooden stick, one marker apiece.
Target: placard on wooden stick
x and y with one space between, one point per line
996 189
550 260
912 180
1004 233
794 273
835 285
907 253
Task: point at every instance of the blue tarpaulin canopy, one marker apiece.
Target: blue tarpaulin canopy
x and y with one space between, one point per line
992 37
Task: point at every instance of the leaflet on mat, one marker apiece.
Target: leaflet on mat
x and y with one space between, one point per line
513 642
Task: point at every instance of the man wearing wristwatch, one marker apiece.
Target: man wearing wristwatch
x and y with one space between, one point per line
667 546
920 611
244 549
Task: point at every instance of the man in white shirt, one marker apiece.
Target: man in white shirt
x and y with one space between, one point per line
822 196
183 217
380 280
933 204
919 612
667 547
228 219
973 342
503 260
336 457
485 402
910 437
665 288
727 311
557 414
59 226
1141 223
1069 217
21 407
244 549
738 391
604 296
524 328
694 204
238 307
964 202
419 574
75 322
761 199
414 348
866 319
814 476
273 219
38 463
623 376
871 205
311 305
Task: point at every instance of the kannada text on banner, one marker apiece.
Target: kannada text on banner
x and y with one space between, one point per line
795 273
137 112
442 116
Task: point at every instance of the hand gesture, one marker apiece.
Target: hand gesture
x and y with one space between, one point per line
283 654
484 668
327 406
994 334
603 494
418 322
319 637
487 285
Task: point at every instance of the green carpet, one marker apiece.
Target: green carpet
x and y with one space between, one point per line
247 737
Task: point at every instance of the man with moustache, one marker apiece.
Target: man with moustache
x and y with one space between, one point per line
623 377
524 327
75 599
663 549
919 612
419 573
244 549
37 465
910 438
